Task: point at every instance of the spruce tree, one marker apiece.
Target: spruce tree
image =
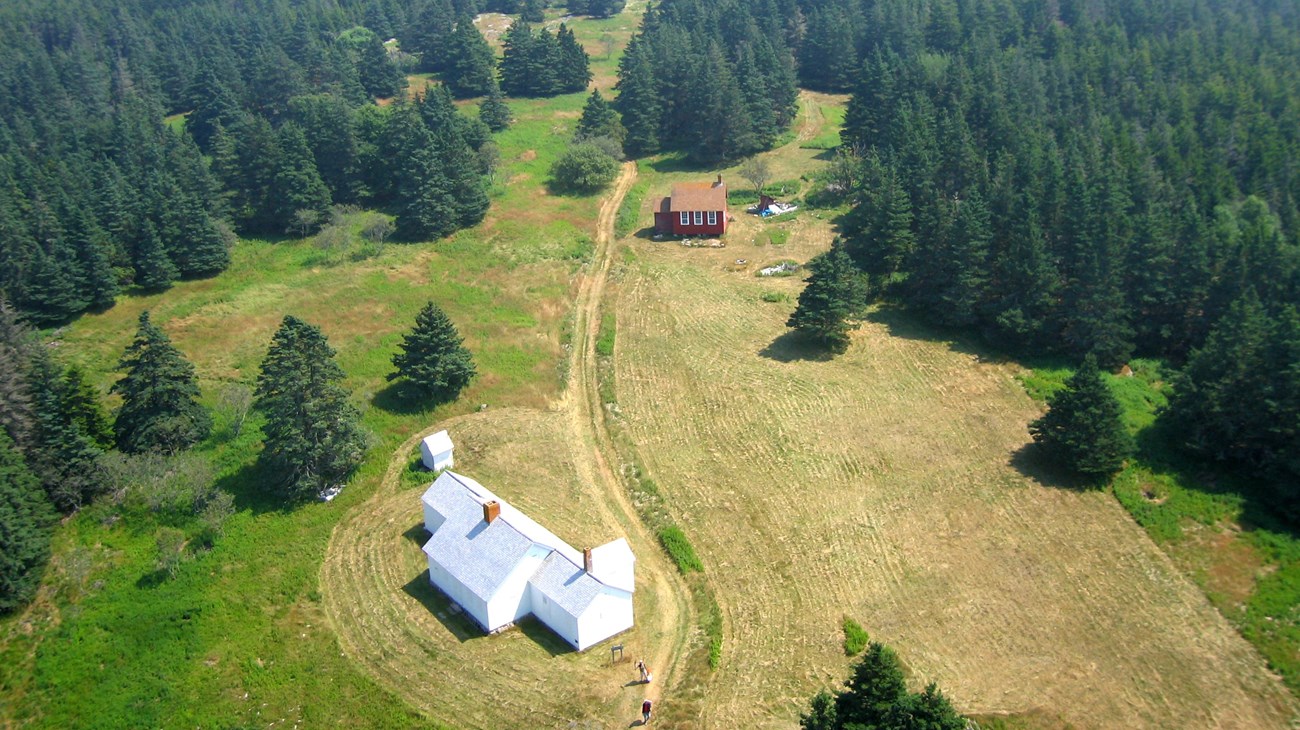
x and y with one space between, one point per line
154 270
518 67
17 347
836 292
574 66
1083 428
638 101
531 11
876 696
494 111
433 357
25 527
83 408
296 185
65 460
312 438
875 688
471 64
599 120
160 396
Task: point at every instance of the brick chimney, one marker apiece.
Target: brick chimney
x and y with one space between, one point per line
586 560
491 510
719 182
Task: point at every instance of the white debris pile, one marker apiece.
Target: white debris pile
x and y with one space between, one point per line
785 267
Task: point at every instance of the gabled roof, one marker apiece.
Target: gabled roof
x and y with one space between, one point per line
438 443
566 584
482 555
612 565
698 196
479 555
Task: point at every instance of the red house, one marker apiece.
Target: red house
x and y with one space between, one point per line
694 209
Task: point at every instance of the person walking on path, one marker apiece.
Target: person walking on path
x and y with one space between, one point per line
640 665
645 712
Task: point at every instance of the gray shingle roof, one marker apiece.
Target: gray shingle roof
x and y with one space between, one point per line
565 584
481 556
477 554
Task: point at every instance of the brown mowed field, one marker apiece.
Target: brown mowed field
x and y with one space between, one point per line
878 485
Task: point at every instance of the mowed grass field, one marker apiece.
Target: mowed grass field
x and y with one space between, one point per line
877 485
880 486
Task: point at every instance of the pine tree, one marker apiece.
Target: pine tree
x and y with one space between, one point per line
471 64
296 185
160 396
17 348
876 696
531 11
574 72
638 100
433 357
64 459
82 406
312 437
494 111
1083 428
154 271
873 691
25 528
836 292
599 120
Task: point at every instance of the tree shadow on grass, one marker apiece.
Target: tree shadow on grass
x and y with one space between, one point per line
152 579
794 346
256 489
1032 461
679 162
402 398
1161 454
904 324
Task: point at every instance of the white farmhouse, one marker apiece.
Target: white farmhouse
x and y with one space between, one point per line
435 451
500 566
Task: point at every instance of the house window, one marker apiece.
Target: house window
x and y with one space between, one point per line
713 217
699 218
686 218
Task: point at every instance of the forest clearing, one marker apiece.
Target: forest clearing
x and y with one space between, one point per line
633 385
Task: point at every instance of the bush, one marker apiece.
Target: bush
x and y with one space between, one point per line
680 549
855 637
584 168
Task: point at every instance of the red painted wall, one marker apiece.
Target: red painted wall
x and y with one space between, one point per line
703 229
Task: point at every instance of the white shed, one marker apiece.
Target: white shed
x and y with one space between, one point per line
435 451
500 566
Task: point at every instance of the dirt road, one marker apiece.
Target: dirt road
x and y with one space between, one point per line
410 639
